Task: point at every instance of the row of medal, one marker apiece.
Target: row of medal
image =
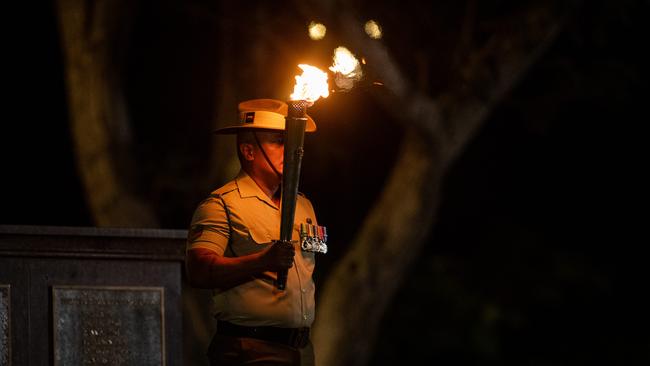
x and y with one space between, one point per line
313 238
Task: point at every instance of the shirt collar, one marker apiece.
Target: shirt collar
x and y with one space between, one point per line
248 188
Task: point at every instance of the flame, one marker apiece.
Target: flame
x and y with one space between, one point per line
344 62
346 68
311 85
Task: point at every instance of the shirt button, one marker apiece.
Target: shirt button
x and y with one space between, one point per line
303 290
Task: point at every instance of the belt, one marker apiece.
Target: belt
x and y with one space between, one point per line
293 337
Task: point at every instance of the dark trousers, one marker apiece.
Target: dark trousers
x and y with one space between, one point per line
230 351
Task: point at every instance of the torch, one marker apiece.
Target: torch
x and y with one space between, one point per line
294 133
310 86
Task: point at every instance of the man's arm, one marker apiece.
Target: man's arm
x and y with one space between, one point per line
207 269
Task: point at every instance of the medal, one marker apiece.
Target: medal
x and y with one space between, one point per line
313 238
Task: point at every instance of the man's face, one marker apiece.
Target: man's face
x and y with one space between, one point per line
273 144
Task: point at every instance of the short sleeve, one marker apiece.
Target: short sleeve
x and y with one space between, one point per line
209 228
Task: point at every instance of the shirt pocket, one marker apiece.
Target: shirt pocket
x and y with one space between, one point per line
260 235
249 241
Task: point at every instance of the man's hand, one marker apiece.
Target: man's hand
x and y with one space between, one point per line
279 256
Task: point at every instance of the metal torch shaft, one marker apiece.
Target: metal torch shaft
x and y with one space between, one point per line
294 136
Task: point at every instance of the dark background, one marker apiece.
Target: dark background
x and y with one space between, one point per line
539 254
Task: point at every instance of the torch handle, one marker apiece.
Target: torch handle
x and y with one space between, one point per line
293 150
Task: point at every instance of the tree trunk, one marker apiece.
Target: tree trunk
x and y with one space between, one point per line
91 33
359 289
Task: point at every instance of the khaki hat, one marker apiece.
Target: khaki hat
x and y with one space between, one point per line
263 114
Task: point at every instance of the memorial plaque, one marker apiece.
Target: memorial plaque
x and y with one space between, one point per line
5 325
108 325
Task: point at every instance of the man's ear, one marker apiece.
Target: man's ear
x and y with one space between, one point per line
246 151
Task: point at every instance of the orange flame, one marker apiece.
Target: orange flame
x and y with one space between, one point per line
346 68
345 62
311 85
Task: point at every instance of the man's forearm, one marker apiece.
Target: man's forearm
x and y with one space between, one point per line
207 269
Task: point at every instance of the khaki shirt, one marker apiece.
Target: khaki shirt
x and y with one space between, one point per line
255 221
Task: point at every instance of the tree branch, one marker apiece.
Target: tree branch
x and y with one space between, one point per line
359 289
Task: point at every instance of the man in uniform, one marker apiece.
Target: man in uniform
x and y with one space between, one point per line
232 249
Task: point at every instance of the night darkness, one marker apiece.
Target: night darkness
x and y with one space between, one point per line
538 256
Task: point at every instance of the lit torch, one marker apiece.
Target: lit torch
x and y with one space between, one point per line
310 86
